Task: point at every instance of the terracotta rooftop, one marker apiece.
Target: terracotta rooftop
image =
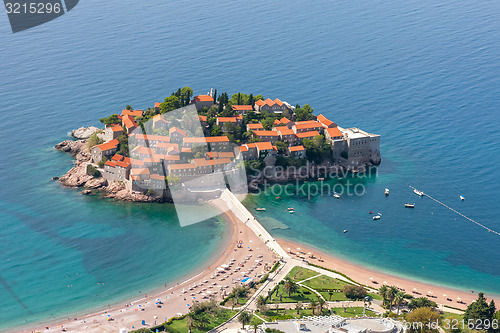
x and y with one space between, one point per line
133 113
334 132
108 145
325 121
242 108
307 134
203 98
264 145
296 148
255 126
265 133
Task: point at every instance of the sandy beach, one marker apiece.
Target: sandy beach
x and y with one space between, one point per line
177 298
363 275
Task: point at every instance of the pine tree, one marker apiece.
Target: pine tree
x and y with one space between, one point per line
215 95
250 100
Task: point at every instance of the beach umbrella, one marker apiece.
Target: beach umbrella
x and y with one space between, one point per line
444 295
385 282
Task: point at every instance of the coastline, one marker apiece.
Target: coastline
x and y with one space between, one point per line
125 317
362 275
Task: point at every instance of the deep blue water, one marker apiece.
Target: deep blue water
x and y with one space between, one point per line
423 74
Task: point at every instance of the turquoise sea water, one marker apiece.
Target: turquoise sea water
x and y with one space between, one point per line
424 75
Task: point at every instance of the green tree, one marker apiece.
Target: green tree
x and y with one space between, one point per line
94 140
422 319
313 305
383 292
261 302
298 306
128 107
354 292
304 113
479 311
421 302
399 298
290 287
113 119
169 104
282 147
244 318
321 304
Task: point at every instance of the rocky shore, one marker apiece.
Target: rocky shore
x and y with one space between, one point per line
77 176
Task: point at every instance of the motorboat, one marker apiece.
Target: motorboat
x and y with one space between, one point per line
377 217
419 193
260 209
462 198
386 191
409 205
336 195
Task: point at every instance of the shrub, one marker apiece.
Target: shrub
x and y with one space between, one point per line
354 292
92 171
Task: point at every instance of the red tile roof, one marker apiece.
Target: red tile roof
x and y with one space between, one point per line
202 118
209 139
307 134
252 126
334 132
285 120
277 101
296 148
243 148
158 118
116 128
109 163
157 177
203 98
305 126
133 113
157 104
260 102
264 145
265 133
285 131
143 150
227 119
129 122
324 120
117 157
242 108
150 137
182 166
305 122
177 130
108 145
139 171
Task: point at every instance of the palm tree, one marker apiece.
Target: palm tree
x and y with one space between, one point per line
313 304
399 298
232 303
391 294
383 292
189 321
298 306
261 301
290 287
244 318
321 303
331 294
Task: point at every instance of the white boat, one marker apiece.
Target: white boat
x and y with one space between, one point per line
320 179
336 195
462 198
419 193
386 191
291 211
409 205
345 231
261 209
377 217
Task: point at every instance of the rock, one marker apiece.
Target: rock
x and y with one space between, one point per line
55 178
84 132
76 176
86 192
73 147
96 183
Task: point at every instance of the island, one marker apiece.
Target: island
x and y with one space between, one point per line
140 155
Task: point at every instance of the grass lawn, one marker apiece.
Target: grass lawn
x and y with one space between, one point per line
451 320
325 282
336 296
303 295
298 274
353 312
215 320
